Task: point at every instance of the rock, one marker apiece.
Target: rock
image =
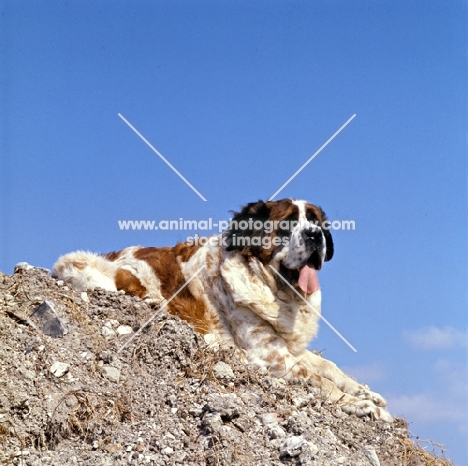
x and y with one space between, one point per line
84 296
167 451
211 341
227 405
111 373
221 370
46 318
313 449
276 431
371 455
124 330
20 266
292 446
59 369
268 418
107 332
180 456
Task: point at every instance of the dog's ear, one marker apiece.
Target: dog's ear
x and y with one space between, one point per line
242 231
328 237
328 243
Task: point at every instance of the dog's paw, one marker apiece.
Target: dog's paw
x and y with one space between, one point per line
151 301
365 393
361 403
363 408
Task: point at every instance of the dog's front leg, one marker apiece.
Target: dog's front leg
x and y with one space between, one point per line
354 398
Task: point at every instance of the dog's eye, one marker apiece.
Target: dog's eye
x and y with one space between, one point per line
285 227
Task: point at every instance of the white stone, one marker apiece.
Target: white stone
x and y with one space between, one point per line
59 368
371 455
313 448
292 446
222 370
23 266
111 373
180 456
107 332
167 451
276 432
269 418
84 297
124 330
209 338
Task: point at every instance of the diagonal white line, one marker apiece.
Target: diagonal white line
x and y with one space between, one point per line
161 308
160 155
310 159
308 304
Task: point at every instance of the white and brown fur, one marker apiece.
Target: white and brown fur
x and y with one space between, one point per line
237 297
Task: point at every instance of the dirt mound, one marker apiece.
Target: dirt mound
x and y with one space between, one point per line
68 396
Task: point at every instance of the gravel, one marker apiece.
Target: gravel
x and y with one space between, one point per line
167 398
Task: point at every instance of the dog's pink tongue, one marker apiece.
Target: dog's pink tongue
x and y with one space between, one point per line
308 280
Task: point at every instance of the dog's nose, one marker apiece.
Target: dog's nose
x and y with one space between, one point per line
312 235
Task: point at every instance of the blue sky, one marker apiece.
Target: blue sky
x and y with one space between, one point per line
237 95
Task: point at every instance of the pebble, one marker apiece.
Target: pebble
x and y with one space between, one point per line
59 369
167 451
209 338
22 266
268 418
107 332
314 449
46 318
292 446
275 432
124 330
371 455
180 456
111 373
221 370
84 297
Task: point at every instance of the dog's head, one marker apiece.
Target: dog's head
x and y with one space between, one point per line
289 234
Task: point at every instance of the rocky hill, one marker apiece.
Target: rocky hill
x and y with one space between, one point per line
69 397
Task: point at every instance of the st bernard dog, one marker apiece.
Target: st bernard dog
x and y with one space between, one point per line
254 287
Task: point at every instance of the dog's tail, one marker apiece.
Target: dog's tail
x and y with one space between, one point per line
83 270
